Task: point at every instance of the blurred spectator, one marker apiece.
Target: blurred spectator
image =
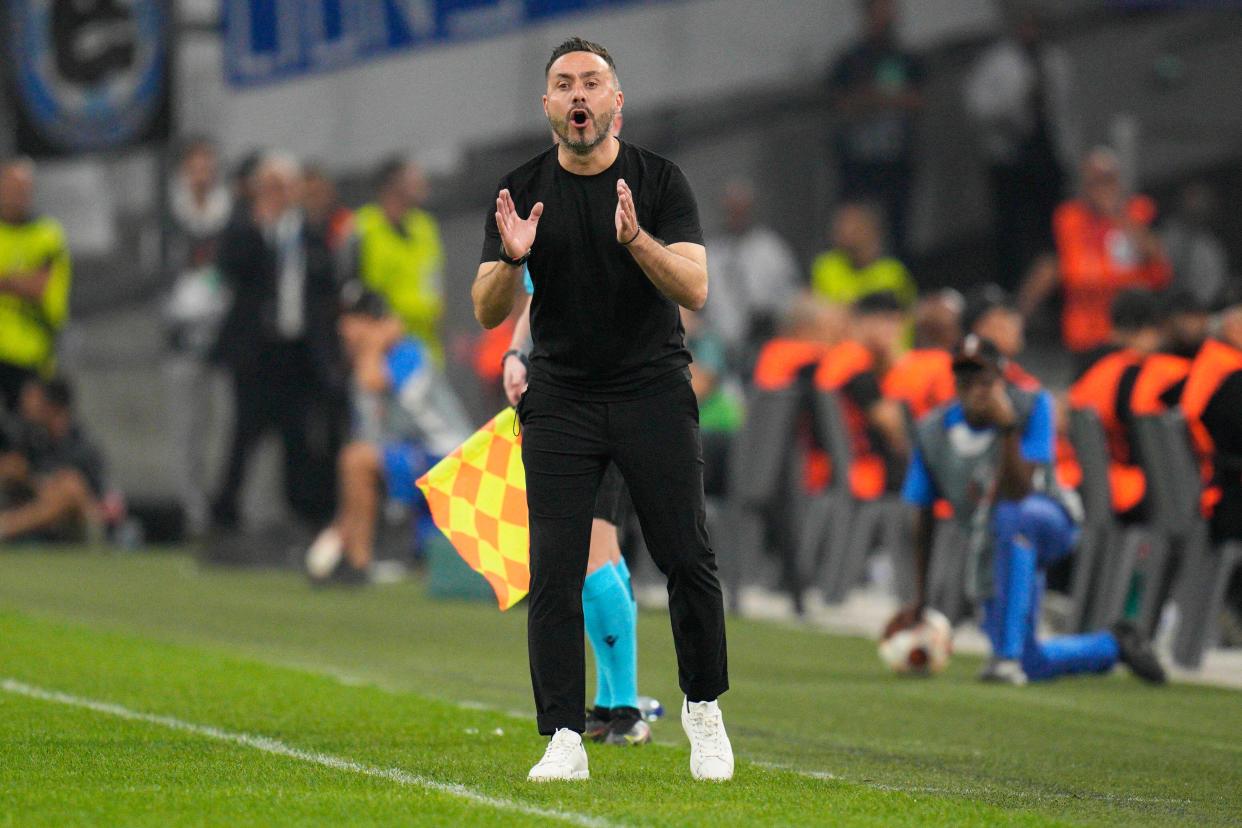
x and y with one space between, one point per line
1105 244
856 265
51 475
720 409
241 184
1107 387
1200 263
876 91
754 277
406 419
922 378
855 369
34 282
1162 376
1020 91
324 210
397 252
199 208
1212 403
278 338
992 315
809 331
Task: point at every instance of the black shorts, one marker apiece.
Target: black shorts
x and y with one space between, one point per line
610 499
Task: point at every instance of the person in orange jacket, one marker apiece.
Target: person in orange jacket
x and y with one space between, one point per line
810 329
1162 377
1212 403
922 378
1105 244
855 369
1107 385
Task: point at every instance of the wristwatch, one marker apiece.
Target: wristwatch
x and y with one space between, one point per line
504 257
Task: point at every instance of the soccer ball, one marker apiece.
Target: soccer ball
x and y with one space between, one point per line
921 650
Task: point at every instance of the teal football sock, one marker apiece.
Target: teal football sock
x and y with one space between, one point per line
610 622
594 598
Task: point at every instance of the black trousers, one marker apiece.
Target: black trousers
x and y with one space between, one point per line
654 441
281 391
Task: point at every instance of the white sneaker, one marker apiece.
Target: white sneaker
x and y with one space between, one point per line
324 554
1004 671
711 755
564 760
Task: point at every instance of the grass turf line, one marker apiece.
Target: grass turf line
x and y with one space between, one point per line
315 714
1105 751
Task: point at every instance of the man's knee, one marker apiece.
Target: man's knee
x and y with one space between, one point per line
68 486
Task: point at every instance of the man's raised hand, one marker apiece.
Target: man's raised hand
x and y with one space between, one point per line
516 234
627 214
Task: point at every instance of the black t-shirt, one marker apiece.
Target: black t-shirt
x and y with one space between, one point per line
884 136
601 329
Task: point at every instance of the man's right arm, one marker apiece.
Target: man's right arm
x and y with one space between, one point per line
492 292
505 234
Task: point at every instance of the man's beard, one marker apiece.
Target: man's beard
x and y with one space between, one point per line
564 130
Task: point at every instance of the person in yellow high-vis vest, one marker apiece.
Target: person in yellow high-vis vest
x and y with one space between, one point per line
34 282
398 254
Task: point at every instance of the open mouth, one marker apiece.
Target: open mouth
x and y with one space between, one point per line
579 118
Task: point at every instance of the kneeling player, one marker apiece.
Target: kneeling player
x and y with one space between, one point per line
989 452
406 417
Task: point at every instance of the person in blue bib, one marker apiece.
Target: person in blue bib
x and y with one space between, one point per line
989 452
406 417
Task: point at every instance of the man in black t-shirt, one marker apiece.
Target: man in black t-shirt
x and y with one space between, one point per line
621 248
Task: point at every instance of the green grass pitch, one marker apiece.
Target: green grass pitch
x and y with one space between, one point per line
144 690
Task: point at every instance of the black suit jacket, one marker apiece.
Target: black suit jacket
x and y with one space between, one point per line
248 265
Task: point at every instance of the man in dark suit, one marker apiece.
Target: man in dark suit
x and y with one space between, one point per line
278 341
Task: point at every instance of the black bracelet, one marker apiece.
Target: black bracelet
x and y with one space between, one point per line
504 257
631 241
514 352
1006 430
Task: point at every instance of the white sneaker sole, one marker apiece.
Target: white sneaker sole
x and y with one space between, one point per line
576 776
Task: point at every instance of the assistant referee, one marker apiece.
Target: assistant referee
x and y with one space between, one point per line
620 247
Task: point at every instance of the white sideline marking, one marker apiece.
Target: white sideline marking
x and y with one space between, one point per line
278 748
971 791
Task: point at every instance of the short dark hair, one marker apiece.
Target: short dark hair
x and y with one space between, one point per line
577 44
58 392
882 302
1135 309
389 170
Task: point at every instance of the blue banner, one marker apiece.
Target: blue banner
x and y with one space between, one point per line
270 40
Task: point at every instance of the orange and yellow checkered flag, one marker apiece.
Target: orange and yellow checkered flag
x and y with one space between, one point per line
477 496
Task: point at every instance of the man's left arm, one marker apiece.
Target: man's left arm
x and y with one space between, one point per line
27 285
678 270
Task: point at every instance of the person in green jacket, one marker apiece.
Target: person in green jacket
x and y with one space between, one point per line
35 275
856 265
397 253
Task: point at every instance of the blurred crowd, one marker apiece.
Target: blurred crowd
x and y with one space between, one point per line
327 319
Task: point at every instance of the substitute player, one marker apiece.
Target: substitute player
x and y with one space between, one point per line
989 453
620 250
